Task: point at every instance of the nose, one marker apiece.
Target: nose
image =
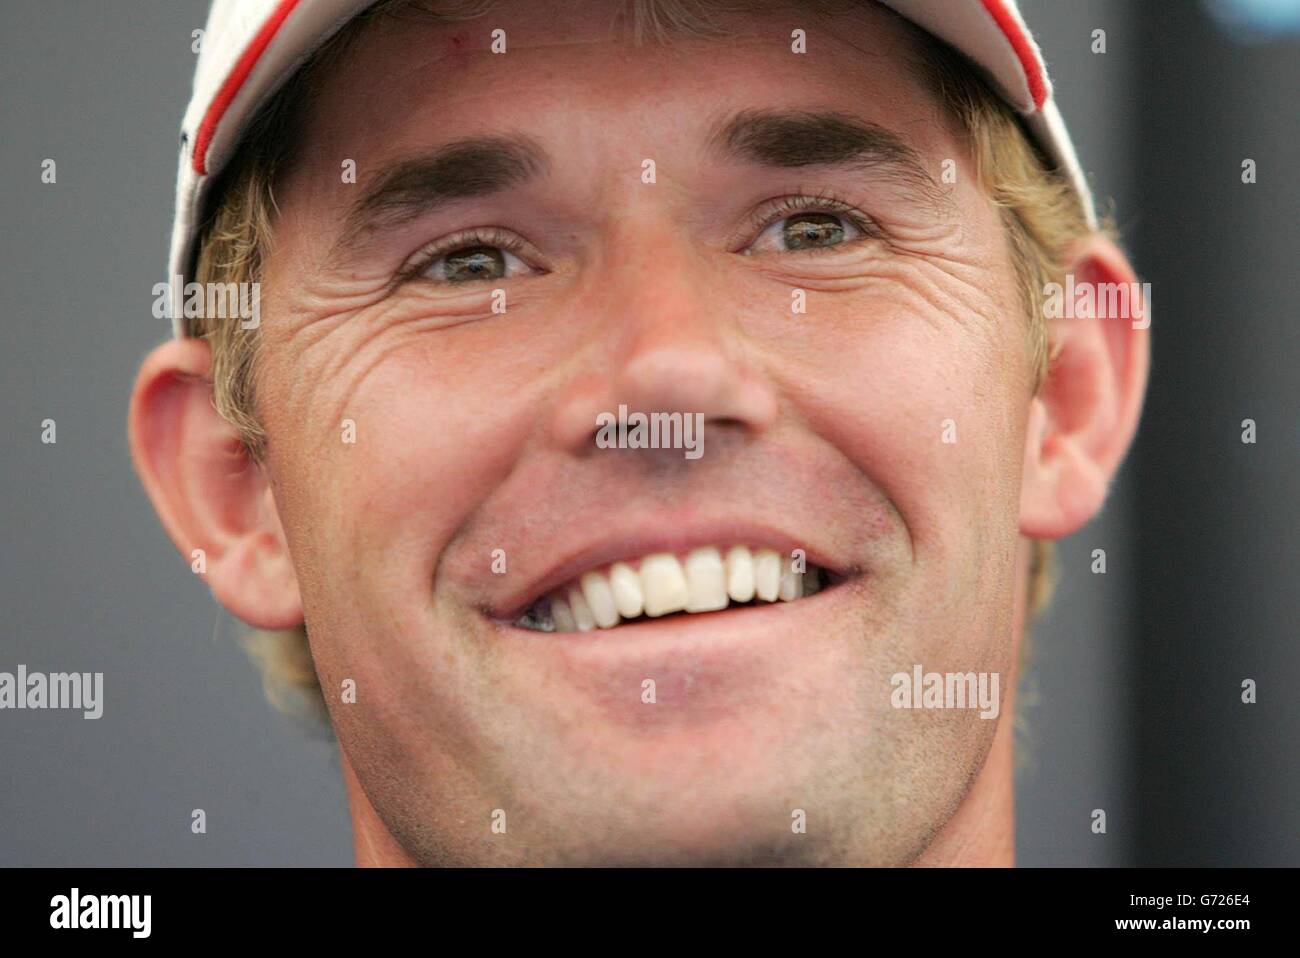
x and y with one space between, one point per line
667 343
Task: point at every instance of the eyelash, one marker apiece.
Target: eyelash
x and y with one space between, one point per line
772 211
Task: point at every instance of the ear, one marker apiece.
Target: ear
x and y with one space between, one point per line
207 490
1083 419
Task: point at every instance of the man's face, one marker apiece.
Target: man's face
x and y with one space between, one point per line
475 431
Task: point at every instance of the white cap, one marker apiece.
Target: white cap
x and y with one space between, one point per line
251 47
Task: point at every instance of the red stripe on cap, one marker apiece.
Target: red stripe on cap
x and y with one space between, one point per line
1024 50
235 81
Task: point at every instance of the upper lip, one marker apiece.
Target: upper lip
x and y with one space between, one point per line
658 538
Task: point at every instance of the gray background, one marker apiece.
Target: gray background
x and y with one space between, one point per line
1137 673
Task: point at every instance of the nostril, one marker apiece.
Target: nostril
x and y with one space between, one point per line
692 390
659 429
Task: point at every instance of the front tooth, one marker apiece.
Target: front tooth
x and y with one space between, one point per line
767 574
791 583
562 616
706 581
626 586
581 611
663 583
740 574
596 590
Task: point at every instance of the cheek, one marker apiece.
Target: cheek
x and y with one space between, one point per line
926 394
390 444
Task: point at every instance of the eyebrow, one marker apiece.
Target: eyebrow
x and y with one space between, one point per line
482 165
788 139
416 186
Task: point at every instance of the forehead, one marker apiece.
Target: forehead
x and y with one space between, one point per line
405 79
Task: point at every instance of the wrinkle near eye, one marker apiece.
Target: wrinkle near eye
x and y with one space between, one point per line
356 346
331 326
936 288
941 293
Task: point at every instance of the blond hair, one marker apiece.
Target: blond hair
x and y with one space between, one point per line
1040 210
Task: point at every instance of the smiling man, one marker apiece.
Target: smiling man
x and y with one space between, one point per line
823 231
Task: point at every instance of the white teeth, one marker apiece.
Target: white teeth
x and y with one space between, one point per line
706 581
626 586
600 598
581 611
664 584
562 617
740 574
791 583
767 574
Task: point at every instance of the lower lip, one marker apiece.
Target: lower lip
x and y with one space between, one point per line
708 669
696 634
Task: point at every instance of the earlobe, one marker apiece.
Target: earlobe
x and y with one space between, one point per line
1084 418
208 492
